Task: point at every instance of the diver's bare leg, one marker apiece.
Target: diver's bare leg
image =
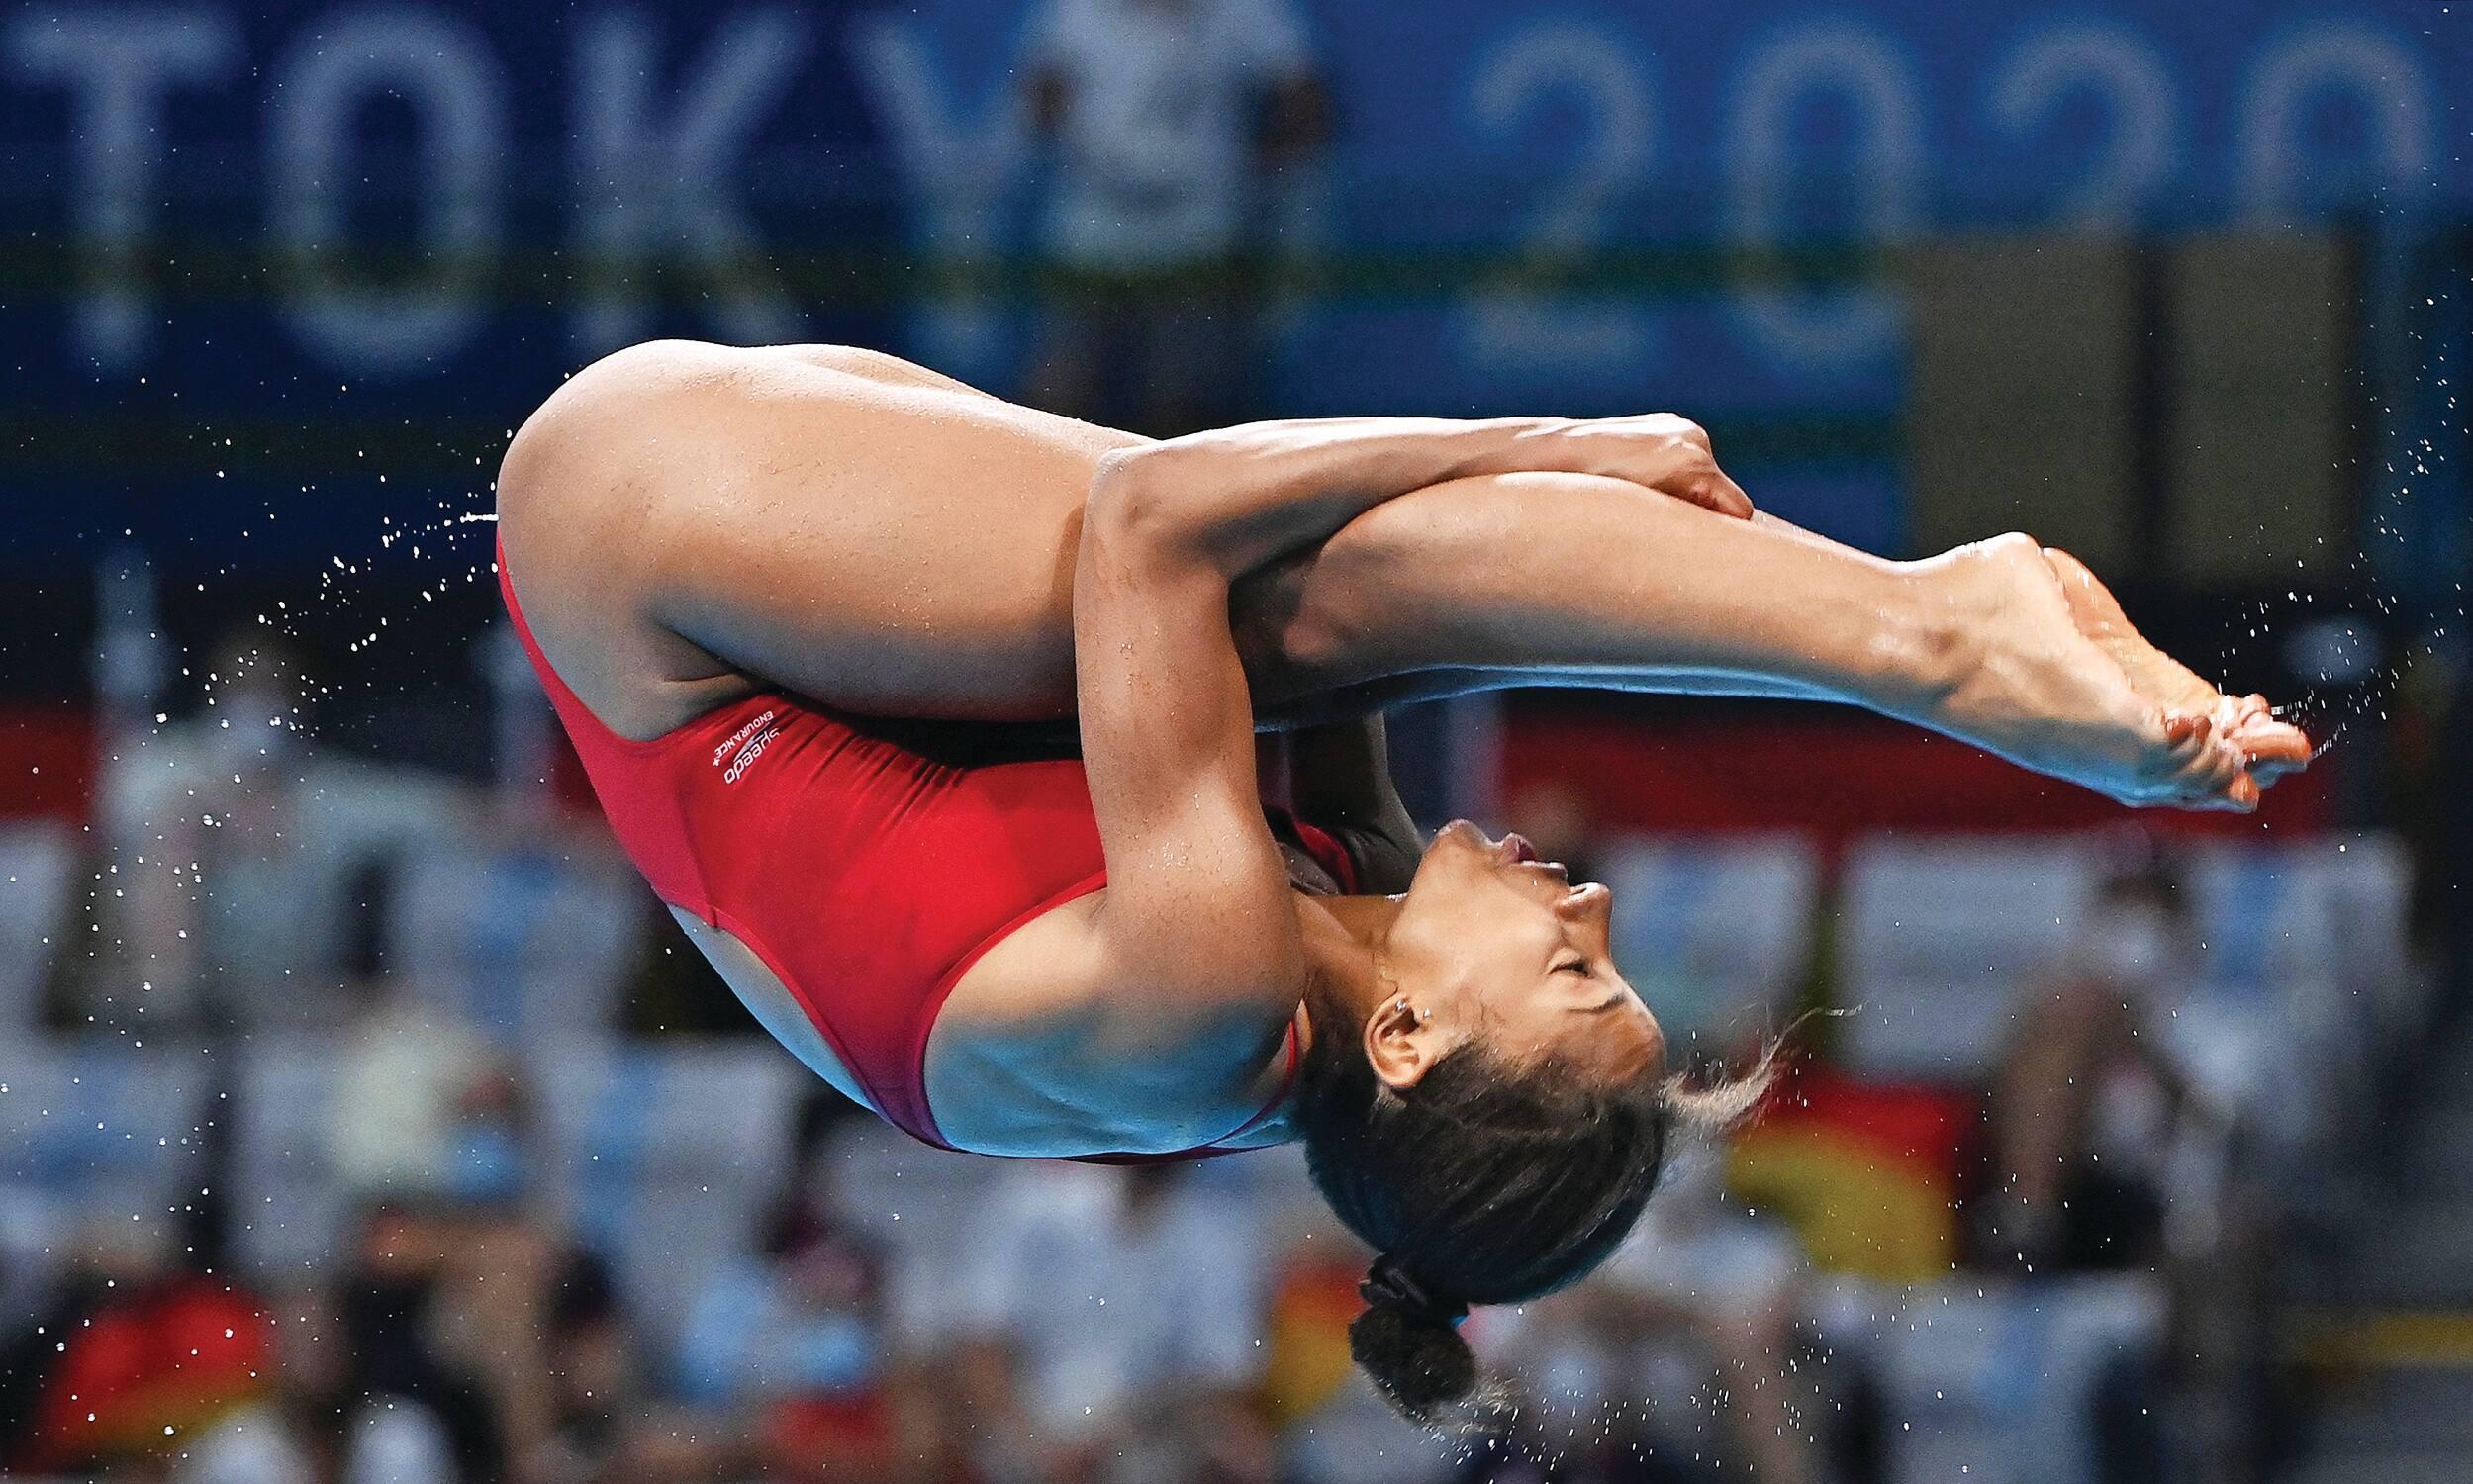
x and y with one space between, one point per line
1572 580
1563 580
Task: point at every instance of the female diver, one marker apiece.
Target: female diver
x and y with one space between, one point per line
794 606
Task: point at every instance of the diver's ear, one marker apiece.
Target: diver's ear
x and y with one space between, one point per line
1402 1043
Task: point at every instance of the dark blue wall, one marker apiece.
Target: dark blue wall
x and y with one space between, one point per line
524 186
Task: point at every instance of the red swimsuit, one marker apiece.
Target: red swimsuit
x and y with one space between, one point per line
868 864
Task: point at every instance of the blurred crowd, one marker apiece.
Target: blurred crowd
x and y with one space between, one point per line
430 1299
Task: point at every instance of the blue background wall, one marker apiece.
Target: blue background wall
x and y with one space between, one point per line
534 185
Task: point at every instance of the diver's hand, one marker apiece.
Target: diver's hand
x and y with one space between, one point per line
2054 678
1662 451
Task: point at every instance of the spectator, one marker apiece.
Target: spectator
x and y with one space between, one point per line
603 1418
423 1106
1111 1328
1164 114
2087 1094
392 1333
793 1336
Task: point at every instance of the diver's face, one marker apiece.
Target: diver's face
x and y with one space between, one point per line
1494 946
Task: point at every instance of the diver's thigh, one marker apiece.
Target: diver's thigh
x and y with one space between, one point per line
720 517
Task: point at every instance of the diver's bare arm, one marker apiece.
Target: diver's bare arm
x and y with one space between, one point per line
1196 921
1240 497
1250 495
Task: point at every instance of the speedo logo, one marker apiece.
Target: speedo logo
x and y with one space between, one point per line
748 743
741 735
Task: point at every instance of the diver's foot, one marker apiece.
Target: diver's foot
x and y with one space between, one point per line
2270 748
2063 685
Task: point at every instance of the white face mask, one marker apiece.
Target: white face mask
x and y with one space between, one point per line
258 733
2130 943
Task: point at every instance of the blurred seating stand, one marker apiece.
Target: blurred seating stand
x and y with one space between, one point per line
1715 930
525 941
92 1134
2306 963
1991 1383
38 860
2304 990
1940 934
100 1127
2302 946
656 1156
659 1155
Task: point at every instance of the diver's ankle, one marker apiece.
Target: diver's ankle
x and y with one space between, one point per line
1932 637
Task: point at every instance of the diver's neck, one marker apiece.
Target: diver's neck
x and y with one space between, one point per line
1342 934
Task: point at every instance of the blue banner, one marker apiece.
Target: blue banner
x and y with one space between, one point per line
343 240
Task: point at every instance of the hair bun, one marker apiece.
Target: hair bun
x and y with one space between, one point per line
1427 1372
1408 1342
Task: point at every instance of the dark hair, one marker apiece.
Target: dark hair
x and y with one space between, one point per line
1487 1182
